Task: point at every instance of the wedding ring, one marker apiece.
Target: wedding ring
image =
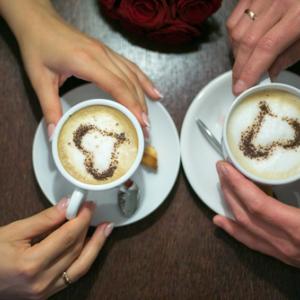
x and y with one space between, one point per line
66 278
251 14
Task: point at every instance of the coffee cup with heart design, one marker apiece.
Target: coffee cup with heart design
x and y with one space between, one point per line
97 145
261 134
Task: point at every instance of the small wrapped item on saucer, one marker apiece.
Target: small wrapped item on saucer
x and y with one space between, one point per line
150 158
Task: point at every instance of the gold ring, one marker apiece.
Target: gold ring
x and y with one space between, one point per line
66 278
251 14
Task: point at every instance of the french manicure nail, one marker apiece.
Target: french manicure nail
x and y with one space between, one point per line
158 93
108 229
239 87
146 131
221 169
50 128
145 119
63 204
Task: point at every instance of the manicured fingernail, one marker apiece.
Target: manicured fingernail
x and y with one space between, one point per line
239 87
91 204
221 169
108 229
63 204
50 128
145 119
146 131
158 93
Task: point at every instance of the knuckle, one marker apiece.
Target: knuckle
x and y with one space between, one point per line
241 219
37 291
69 237
287 250
118 85
236 35
27 269
229 25
266 44
81 57
82 270
250 41
255 207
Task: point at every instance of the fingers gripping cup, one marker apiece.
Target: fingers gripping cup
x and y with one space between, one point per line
97 145
261 135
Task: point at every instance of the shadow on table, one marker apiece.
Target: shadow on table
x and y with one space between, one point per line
282 277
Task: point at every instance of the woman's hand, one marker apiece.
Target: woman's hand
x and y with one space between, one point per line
34 271
52 51
261 222
271 42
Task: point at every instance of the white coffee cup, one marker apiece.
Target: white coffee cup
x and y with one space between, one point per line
228 155
80 188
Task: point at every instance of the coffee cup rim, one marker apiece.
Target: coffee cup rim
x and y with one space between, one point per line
227 151
132 169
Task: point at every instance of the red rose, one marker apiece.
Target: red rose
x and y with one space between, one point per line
108 7
148 14
194 12
175 33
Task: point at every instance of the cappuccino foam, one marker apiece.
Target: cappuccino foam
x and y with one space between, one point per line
97 144
263 134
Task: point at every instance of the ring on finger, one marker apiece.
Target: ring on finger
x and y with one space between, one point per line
66 278
251 14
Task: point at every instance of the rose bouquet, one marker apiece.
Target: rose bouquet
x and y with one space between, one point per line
167 22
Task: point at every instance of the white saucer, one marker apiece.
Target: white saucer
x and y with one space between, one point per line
154 187
199 158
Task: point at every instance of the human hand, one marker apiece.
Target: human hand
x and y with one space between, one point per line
52 51
269 43
261 222
34 271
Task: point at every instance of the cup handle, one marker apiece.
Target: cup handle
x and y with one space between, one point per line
74 204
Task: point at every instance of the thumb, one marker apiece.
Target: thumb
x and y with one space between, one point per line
46 87
44 221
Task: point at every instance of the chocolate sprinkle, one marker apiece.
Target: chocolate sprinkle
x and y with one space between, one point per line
89 163
260 152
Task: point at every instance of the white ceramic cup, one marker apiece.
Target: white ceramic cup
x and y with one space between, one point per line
225 147
80 188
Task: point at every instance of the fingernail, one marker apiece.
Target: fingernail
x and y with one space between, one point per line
51 128
146 131
158 93
239 87
108 229
221 169
91 204
63 204
145 119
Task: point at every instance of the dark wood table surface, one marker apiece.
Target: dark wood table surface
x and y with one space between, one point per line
176 252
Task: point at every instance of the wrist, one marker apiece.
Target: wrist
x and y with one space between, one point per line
21 15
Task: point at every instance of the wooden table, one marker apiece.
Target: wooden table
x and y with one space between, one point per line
175 253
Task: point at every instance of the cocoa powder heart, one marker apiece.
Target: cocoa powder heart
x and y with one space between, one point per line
89 163
260 152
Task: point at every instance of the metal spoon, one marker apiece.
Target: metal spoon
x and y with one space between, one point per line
210 137
129 198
